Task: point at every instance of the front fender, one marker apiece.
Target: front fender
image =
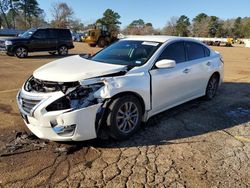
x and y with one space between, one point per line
137 83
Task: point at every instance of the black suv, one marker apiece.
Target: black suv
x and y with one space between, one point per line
42 39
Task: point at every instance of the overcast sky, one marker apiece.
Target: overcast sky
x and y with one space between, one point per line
157 12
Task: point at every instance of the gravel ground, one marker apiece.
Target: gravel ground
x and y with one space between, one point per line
198 144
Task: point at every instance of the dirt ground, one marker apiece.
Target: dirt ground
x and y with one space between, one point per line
198 144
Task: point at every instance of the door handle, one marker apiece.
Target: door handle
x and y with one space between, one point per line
208 63
186 71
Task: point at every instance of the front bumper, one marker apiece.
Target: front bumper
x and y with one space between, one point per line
43 123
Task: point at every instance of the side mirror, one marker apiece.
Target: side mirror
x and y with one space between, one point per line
165 64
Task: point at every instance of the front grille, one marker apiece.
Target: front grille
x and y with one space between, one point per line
29 104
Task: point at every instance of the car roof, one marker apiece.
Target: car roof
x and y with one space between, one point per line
157 38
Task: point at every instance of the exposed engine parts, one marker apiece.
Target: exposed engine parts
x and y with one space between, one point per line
36 85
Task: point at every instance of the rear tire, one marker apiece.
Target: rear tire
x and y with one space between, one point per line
124 117
212 87
101 43
63 50
21 52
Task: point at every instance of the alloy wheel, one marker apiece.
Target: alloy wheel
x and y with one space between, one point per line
63 50
21 52
127 117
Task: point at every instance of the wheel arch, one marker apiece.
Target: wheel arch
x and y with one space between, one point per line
21 45
138 96
217 74
102 115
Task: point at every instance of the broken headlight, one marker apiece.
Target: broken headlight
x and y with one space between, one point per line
81 97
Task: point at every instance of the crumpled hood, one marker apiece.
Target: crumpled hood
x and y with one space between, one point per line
74 68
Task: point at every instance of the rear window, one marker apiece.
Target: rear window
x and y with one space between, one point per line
195 50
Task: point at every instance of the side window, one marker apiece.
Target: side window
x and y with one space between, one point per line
64 34
194 50
52 34
207 51
175 51
41 34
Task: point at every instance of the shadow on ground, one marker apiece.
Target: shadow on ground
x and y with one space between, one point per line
231 107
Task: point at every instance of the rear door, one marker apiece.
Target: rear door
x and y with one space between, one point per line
64 38
52 39
200 67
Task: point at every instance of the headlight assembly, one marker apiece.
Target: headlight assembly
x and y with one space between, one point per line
81 97
7 43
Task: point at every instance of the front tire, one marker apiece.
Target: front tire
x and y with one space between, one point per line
63 50
124 117
212 87
21 52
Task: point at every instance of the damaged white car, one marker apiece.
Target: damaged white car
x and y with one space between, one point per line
76 98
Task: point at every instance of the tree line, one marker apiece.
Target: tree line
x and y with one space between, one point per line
24 14
200 26
208 26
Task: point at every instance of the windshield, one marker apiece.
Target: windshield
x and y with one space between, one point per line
28 33
127 52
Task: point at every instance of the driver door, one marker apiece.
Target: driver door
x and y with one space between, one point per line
39 40
170 85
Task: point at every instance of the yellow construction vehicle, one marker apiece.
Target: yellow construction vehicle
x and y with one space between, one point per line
99 36
230 42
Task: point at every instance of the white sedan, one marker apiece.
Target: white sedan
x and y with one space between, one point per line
78 97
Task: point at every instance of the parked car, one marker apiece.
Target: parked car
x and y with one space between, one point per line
77 37
77 98
36 40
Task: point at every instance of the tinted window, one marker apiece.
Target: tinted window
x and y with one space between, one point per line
195 50
207 51
41 34
175 51
64 34
52 34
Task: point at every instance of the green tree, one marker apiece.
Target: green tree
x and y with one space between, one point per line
182 26
111 20
4 7
200 25
213 26
13 11
29 9
246 28
137 23
149 24
139 27
238 28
